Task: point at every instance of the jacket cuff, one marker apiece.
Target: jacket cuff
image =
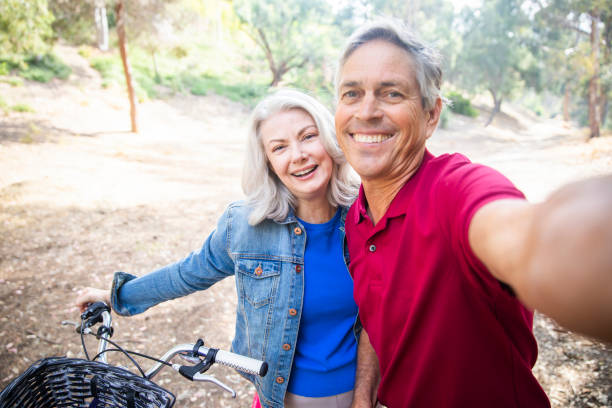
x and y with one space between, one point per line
120 279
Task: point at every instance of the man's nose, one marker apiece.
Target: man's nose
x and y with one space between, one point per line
368 108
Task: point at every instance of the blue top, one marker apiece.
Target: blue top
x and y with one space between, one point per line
267 261
324 361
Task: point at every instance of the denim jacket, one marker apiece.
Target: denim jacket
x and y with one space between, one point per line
267 260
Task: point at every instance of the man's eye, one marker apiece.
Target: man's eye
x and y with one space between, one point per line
349 94
394 94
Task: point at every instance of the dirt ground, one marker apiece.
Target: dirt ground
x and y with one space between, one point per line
81 198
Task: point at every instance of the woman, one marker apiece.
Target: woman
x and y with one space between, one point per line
285 246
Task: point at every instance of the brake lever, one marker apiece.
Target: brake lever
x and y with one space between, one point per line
206 378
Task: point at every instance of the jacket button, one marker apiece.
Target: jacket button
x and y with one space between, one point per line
258 271
286 347
298 268
372 248
297 230
292 312
280 380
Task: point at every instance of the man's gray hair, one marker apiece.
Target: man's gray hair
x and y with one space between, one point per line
426 59
266 194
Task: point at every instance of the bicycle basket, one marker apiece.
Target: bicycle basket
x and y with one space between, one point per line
56 382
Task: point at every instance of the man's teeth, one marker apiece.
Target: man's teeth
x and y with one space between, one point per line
361 138
304 172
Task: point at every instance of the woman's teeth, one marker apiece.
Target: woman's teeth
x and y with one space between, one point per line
305 172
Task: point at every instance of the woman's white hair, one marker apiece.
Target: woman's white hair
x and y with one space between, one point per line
266 194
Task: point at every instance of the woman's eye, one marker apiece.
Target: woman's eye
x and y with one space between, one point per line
310 135
277 148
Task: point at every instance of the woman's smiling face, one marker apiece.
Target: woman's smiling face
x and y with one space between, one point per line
295 153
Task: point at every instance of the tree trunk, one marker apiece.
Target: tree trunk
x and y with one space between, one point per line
496 107
276 77
126 64
603 107
566 103
101 25
594 118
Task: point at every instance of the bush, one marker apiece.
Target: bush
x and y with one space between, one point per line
20 107
461 105
106 66
44 68
444 119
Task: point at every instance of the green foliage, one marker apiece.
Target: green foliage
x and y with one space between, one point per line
45 68
461 105
289 34
25 27
12 80
444 118
108 66
3 105
73 20
22 107
41 68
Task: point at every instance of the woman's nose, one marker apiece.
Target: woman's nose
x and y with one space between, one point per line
297 153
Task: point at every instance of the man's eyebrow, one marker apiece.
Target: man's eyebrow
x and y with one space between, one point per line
349 84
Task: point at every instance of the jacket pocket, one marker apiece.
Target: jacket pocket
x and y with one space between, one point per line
257 280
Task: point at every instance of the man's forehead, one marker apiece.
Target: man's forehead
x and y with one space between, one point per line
378 62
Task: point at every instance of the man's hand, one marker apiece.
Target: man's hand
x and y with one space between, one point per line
367 374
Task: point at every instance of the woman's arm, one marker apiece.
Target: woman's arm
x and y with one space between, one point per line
131 295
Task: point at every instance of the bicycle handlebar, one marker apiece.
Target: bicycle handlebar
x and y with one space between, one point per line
226 358
99 312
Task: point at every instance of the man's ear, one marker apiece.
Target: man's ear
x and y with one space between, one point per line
433 117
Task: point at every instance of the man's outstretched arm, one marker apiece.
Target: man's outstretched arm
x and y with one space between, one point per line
367 375
556 255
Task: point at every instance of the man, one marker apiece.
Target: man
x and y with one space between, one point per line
448 258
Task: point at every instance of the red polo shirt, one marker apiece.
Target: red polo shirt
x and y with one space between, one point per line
446 332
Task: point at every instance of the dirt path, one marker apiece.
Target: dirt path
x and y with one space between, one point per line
81 198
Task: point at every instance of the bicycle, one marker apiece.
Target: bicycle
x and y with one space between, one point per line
55 382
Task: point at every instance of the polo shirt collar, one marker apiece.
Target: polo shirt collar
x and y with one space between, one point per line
399 204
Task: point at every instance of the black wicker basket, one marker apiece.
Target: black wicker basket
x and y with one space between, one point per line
70 382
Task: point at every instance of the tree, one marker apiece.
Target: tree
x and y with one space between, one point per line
584 19
126 65
287 31
494 55
25 27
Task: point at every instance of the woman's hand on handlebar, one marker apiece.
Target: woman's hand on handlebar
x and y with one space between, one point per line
91 295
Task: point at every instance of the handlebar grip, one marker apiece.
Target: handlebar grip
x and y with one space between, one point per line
242 363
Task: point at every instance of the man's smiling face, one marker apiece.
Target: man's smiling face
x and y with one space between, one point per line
380 122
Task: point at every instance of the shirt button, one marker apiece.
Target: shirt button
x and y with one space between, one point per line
258 271
286 347
297 230
280 380
292 312
298 268
372 248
